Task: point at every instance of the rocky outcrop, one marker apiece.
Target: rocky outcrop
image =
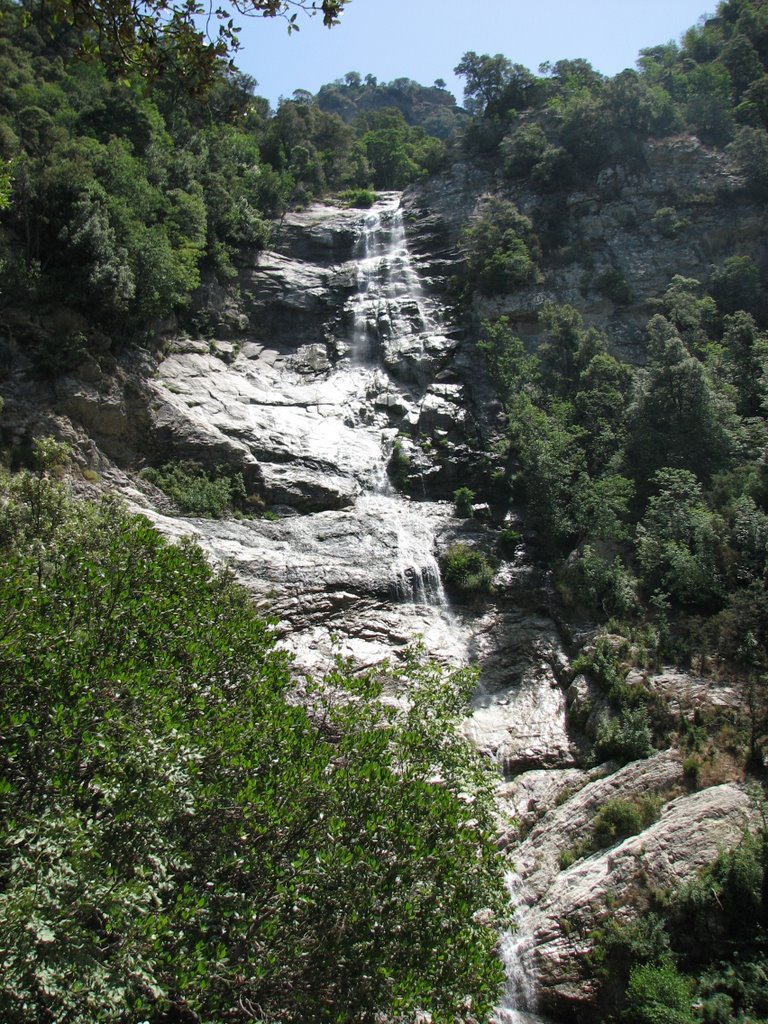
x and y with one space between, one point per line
644 223
690 832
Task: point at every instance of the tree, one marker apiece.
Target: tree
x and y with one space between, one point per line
679 420
501 248
494 85
159 36
678 540
189 833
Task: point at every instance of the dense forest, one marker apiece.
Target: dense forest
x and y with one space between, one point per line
183 839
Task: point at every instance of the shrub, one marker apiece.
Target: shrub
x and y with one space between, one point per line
362 198
501 247
626 738
508 541
566 858
180 831
613 284
616 820
196 491
668 223
603 662
658 994
466 570
462 502
600 584
692 771
399 465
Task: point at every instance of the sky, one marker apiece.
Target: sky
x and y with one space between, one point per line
425 39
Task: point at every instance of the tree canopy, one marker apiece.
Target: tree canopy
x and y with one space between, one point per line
189 832
190 38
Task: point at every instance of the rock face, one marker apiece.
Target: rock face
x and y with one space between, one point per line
646 223
346 352
688 835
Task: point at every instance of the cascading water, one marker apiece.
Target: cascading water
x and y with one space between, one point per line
388 302
520 996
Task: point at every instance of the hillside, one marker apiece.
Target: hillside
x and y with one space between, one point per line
496 378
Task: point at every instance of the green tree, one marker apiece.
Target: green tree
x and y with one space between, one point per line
678 540
501 247
678 419
181 835
568 347
494 85
161 37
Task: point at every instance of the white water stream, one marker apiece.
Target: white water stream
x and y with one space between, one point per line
389 300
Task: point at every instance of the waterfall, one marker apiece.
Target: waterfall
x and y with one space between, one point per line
389 303
418 574
389 300
520 995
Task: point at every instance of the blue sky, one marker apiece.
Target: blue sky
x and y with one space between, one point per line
425 39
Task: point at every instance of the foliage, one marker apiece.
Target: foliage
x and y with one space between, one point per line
658 994
399 466
183 836
362 198
125 199
618 818
501 248
466 570
196 491
712 926
463 498
397 153
159 37
604 661
677 540
624 738
595 581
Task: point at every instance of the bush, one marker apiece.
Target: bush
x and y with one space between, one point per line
668 223
462 502
180 831
616 820
508 540
603 662
658 994
362 198
692 771
613 284
196 491
399 465
626 738
466 570
501 247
